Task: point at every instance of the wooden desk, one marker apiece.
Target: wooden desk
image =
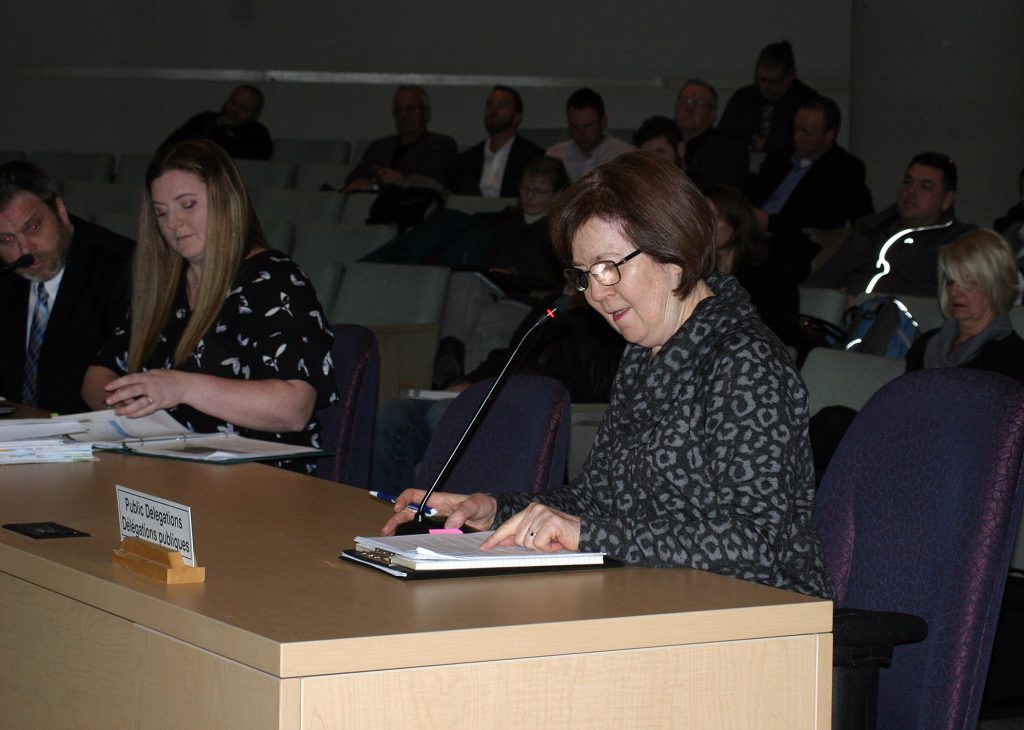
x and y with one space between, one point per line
283 634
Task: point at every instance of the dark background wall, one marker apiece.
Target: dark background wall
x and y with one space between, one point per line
119 76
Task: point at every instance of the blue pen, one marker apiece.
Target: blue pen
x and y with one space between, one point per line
391 498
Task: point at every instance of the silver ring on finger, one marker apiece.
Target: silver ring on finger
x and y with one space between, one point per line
150 400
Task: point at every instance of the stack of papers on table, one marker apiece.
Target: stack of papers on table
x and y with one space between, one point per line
426 553
40 440
41 451
159 434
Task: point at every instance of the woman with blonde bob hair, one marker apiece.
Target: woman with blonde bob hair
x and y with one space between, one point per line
978 284
702 459
223 332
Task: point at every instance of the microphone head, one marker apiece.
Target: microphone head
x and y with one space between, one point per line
18 263
563 304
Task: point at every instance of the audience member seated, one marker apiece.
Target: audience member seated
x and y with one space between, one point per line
977 285
589 145
680 474
235 127
223 332
711 157
661 136
743 252
761 115
61 308
513 245
1014 218
577 348
925 200
815 183
494 168
413 156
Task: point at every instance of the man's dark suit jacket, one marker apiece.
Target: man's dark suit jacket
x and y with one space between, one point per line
432 155
741 119
715 159
92 300
470 165
247 141
829 195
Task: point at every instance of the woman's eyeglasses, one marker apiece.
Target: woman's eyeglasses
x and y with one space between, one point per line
605 273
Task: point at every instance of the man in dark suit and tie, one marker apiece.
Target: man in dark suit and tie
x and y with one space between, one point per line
494 168
813 184
58 310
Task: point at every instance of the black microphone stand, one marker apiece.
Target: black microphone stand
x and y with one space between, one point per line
420 523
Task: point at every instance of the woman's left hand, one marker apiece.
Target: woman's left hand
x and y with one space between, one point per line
139 394
538 527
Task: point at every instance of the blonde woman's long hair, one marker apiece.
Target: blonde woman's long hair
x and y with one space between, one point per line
232 232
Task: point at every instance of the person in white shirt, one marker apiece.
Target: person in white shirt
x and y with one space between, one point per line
589 145
494 168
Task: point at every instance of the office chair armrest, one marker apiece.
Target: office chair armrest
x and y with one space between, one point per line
861 635
862 644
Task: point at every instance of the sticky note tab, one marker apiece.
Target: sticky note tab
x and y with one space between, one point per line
451 531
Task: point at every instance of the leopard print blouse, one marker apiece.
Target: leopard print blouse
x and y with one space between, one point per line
703 458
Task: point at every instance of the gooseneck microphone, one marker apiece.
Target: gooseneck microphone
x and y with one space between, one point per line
420 524
18 263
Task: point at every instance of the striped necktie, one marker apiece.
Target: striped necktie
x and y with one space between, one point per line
40 317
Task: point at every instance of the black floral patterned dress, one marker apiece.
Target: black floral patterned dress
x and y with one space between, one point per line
270 327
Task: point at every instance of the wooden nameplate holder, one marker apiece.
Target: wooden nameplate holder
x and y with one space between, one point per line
152 561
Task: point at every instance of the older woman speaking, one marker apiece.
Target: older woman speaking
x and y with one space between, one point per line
702 459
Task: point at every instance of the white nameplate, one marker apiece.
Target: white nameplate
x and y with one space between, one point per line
160 521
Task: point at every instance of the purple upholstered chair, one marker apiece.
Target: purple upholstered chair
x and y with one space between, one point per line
917 513
519 445
347 426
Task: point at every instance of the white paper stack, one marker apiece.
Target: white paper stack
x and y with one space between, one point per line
41 440
38 451
462 552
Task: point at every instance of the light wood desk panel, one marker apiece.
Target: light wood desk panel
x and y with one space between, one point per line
283 633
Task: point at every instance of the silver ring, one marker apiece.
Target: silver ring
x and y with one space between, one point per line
150 400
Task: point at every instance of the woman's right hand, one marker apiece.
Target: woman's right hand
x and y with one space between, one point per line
476 511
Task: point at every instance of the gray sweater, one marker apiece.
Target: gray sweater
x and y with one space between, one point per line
703 458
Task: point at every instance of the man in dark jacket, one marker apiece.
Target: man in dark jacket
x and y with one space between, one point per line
413 156
813 184
494 168
61 308
925 202
235 127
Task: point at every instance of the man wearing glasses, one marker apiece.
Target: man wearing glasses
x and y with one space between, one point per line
711 157
761 115
412 156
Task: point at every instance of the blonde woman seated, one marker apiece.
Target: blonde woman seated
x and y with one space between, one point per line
223 332
977 288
